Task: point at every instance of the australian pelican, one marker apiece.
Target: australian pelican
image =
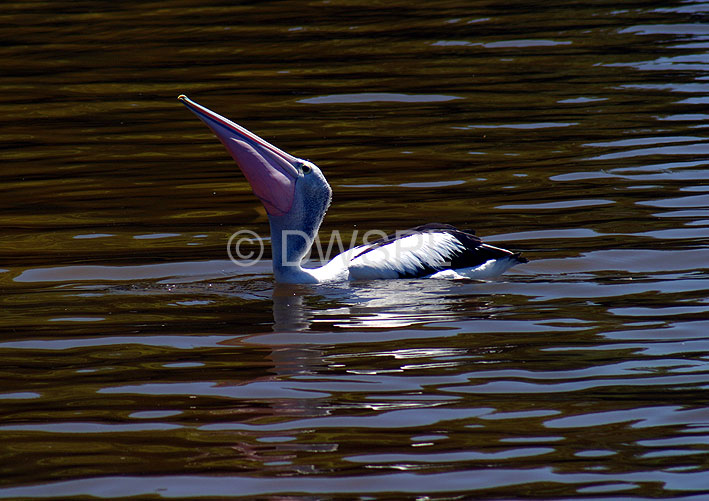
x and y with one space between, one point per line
296 197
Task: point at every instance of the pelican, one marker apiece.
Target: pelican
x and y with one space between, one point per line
296 196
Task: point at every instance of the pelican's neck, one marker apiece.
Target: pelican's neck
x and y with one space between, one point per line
291 239
293 233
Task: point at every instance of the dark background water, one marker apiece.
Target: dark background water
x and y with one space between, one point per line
137 360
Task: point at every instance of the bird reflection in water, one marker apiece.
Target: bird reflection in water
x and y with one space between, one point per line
311 350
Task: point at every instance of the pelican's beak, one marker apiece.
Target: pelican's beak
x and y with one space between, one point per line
271 172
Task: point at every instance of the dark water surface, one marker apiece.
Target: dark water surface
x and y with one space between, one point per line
137 361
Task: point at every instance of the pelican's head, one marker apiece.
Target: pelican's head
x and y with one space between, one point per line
287 186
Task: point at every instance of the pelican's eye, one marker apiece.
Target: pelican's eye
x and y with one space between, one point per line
306 169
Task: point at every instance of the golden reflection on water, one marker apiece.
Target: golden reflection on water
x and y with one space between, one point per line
137 359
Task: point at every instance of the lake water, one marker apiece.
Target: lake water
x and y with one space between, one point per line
138 361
